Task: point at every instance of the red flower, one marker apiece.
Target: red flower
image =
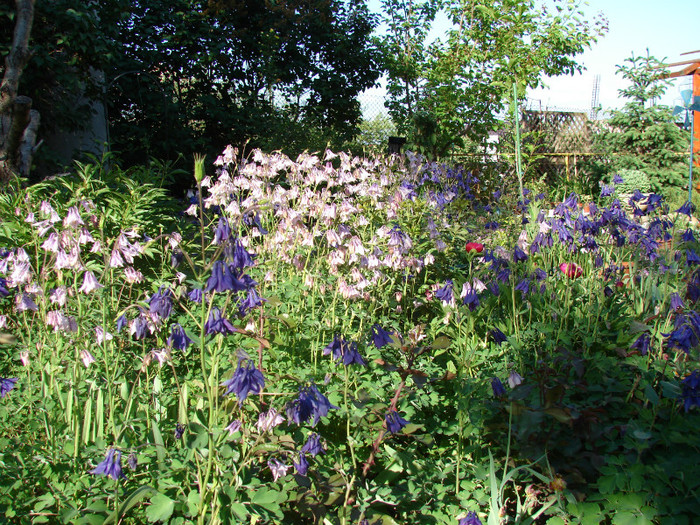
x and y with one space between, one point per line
571 270
474 247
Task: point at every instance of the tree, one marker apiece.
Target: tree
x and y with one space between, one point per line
643 135
240 70
466 81
17 120
181 76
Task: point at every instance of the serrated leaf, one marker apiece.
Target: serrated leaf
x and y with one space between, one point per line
160 509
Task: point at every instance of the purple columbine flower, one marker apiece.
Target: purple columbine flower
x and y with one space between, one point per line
246 380
497 336
7 384
519 255
132 461
339 348
178 338
617 179
690 390
139 327
110 466
523 286
179 431
310 402
195 295
240 258
303 466
223 231
161 303
445 293
313 445
497 387
686 209
221 279
470 519
691 257
676 302
216 324
380 337
642 343
121 322
688 236
394 422
252 300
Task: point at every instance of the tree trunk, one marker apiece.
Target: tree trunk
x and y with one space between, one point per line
15 114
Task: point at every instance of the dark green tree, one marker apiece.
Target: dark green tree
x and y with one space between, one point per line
643 135
230 71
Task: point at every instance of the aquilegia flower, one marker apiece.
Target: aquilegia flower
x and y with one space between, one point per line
90 283
222 279
394 422
303 466
497 336
178 338
216 324
497 387
313 445
161 303
246 380
642 343
380 337
111 466
470 519
339 348
269 420
310 402
277 468
445 293
690 390
7 384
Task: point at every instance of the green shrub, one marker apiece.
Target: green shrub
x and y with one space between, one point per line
633 180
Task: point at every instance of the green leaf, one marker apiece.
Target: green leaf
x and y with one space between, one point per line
130 502
160 446
160 509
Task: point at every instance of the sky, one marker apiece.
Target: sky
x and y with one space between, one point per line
666 28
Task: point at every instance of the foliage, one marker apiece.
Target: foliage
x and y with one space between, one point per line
312 341
179 77
643 135
451 89
373 136
632 180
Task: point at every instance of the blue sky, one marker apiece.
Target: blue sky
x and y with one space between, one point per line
666 28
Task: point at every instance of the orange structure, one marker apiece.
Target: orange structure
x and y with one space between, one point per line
692 68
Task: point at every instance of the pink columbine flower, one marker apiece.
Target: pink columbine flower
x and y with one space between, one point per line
102 335
571 270
72 219
269 420
24 357
87 358
90 283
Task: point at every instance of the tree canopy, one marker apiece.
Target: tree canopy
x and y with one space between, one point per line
454 88
180 76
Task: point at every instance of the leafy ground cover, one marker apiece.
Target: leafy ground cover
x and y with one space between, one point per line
345 340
